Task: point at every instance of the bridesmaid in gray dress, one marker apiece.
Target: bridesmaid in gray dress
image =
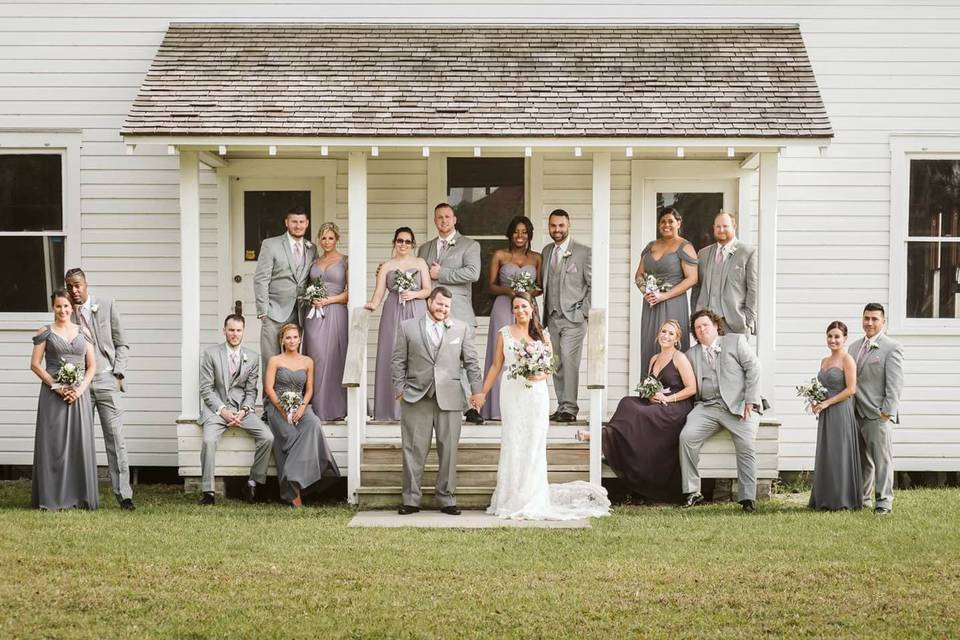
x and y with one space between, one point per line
64 455
673 259
325 334
504 265
299 447
836 477
399 306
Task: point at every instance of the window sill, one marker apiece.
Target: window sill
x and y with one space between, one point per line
931 327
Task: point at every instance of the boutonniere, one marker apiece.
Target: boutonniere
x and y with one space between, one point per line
447 324
872 346
567 254
94 307
243 357
307 244
452 243
731 251
715 348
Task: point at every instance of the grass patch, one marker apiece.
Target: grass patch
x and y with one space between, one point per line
174 569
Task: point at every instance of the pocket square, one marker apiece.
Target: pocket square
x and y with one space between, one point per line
457 341
874 360
572 268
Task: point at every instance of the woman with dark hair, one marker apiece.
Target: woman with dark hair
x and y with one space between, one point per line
404 280
668 268
513 269
64 455
836 476
523 492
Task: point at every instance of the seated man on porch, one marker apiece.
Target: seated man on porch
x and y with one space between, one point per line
229 384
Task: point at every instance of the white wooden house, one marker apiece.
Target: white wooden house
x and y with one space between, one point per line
831 131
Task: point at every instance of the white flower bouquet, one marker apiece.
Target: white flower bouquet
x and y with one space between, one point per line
68 375
649 387
523 282
653 284
812 393
534 358
404 282
290 401
316 290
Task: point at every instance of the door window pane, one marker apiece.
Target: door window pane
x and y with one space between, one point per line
933 274
934 198
697 210
486 193
263 216
37 262
31 192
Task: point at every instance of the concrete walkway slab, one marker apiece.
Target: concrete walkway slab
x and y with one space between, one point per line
466 520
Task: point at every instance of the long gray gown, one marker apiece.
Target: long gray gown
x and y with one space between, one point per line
500 316
669 267
836 476
301 451
64 455
385 404
325 340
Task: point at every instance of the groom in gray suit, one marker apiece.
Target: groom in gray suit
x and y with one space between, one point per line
728 397
566 306
283 267
100 318
727 282
229 379
429 356
454 261
879 385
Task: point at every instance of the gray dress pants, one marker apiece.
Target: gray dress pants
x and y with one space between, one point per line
876 462
105 394
567 338
418 421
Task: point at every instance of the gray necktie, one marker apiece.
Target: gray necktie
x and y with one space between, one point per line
444 245
437 335
233 365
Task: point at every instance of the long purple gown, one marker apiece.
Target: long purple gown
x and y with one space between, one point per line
500 316
325 340
385 405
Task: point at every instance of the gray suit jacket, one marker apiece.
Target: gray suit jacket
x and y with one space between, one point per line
217 389
419 367
276 283
108 336
879 378
738 372
575 272
736 280
459 269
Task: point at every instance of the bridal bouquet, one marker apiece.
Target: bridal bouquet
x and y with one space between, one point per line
405 282
523 282
654 284
290 401
316 290
649 387
812 393
533 359
68 375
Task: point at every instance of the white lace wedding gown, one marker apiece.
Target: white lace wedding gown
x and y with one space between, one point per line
523 492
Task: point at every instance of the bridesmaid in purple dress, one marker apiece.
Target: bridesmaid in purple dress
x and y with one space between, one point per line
504 265
398 306
325 333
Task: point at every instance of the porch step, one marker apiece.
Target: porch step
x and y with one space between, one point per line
389 497
468 475
475 453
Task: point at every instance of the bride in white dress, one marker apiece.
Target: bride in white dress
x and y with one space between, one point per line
523 492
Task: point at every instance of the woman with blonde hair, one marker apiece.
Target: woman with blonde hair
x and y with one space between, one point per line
641 443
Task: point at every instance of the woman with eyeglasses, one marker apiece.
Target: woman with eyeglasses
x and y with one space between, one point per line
405 281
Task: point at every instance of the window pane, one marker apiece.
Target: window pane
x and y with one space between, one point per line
263 215
932 276
31 193
935 198
486 193
697 210
38 265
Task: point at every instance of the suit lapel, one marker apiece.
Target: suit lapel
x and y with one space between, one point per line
709 271
725 266
427 341
94 322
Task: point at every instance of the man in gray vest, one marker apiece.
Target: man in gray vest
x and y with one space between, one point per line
100 318
728 397
565 281
879 385
727 282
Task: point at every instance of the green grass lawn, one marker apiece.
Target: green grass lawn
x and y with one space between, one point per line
174 569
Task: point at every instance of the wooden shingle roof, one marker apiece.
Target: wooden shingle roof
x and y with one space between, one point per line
480 80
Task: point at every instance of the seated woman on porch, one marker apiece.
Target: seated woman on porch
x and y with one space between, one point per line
641 443
668 267
405 279
513 269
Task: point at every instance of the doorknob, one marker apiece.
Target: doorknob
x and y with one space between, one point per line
238 278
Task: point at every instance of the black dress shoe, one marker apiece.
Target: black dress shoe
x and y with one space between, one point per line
748 506
554 415
127 505
451 510
250 493
406 509
692 500
882 511
563 416
473 417
207 498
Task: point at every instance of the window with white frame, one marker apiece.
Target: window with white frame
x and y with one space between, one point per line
32 228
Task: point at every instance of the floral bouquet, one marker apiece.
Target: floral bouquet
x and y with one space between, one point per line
533 359
68 375
290 401
523 282
316 290
653 284
812 393
649 387
404 282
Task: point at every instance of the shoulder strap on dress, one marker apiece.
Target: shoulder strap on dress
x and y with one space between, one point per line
684 257
646 249
43 335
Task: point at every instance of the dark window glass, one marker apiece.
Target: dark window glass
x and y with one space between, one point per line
31 193
933 268
932 279
485 193
37 263
934 198
697 210
263 216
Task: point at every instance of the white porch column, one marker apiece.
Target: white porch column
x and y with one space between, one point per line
189 287
767 233
357 288
600 300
